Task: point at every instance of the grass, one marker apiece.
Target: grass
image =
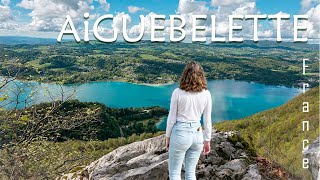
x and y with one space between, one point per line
35 64
48 160
170 54
149 57
277 133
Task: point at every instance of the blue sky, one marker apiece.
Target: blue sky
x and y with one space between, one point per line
44 18
168 7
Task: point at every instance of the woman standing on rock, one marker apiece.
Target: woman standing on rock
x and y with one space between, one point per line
185 138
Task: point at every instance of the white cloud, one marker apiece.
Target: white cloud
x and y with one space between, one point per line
5 2
136 28
192 6
266 34
246 8
313 23
227 2
115 25
105 4
117 21
134 9
49 15
6 17
5 14
187 8
313 26
222 9
306 4
286 26
9 26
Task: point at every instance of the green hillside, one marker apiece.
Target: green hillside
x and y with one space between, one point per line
277 133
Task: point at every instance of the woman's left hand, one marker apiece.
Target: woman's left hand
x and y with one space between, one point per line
206 147
167 143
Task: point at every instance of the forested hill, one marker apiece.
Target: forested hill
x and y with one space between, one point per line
47 139
72 119
277 133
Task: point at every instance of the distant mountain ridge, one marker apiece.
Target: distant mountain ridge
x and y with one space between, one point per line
262 44
26 40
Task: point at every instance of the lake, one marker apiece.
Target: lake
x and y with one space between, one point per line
231 99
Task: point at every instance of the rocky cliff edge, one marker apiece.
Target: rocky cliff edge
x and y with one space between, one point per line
230 158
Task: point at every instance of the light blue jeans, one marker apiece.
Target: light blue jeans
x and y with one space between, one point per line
186 144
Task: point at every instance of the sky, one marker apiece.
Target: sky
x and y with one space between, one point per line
45 18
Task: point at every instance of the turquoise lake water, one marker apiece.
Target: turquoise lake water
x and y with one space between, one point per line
231 99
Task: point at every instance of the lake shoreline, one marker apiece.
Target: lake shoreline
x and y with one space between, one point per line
98 81
149 84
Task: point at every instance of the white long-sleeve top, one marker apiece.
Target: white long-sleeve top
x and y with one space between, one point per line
188 107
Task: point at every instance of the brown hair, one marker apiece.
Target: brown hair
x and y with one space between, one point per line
193 78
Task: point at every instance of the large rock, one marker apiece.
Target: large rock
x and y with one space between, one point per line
230 158
313 154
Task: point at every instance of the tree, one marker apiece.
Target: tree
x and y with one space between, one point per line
22 125
100 63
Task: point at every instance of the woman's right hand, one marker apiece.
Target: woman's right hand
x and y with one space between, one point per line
206 147
167 143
